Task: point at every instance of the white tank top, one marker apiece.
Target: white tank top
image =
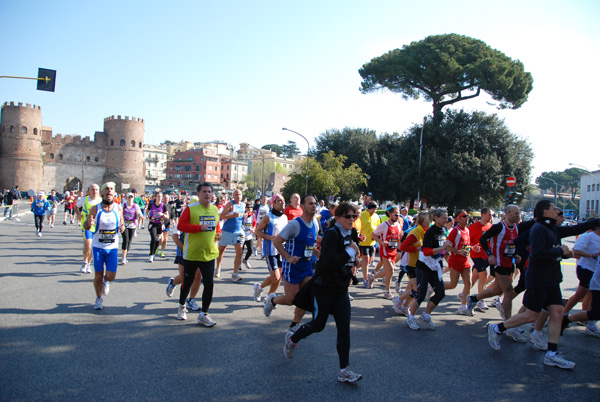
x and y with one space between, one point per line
106 234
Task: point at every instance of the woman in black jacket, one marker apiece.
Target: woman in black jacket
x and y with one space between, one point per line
333 272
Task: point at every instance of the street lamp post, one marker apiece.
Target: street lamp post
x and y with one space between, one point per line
555 187
307 150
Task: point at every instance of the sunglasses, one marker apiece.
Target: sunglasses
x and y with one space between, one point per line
463 216
350 216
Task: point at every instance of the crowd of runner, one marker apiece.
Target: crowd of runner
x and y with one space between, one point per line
319 251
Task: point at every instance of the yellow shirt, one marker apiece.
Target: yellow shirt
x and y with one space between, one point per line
201 246
368 224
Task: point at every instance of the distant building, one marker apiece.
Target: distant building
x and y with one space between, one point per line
189 168
155 158
589 202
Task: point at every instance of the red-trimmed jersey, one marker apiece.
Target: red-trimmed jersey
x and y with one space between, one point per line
475 231
392 233
503 245
460 239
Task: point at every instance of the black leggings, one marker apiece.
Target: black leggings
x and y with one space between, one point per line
155 236
248 245
427 276
39 222
207 269
337 303
127 238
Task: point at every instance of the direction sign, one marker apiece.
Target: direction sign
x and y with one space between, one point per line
511 181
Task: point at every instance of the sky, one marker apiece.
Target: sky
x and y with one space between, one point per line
240 71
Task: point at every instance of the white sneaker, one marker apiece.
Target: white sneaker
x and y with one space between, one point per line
592 329
387 295
558 361
83 268
371 280
192 305
124 261
258 291
52 226
105 288
481 306
151 258
245 264
412 323
88 268
347 375
289 346
463 310
517 334
218 272
398 288
98 305
269 306
39 234
170 287
427 323
235 277
500 310
495 300
538 341
181 313
493 337
205 320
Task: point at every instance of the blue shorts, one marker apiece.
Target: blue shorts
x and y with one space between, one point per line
229 238
294 276
87 234
108 257
273 262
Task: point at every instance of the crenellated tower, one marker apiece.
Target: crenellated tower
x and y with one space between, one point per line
21 146
125 152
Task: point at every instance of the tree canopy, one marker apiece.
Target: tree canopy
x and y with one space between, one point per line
446 69
290 149
274 148
567 181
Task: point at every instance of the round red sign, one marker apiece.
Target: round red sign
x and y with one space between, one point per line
511 181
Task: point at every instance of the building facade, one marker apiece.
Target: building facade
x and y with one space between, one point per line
589 201
33 158
155 158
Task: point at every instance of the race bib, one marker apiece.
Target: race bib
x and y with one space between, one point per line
107 236
510 250
130 224
393 243
308 251
209 221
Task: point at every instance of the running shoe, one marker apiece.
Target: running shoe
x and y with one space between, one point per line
517 334
366 284
289 346
162 255
481 306
463 310
218 272
181 313
98 305
65 222
245 263
192 305
151 258
493 337
398 288
426 322
500 310
470 304
39 234
88 268
105 288
592 329
205 320
170 287
412 323
459 296
124 261
254 251
558 361
350 297
269 306
371 280
387 295
235 277
538 341
83 268
52 226
347 375
258 291
495 300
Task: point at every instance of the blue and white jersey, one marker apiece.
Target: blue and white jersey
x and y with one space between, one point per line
275 226
234 225
300 242
106 234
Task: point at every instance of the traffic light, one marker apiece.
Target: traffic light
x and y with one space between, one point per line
508 199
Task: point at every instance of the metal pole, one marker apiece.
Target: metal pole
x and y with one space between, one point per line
307 150
420 158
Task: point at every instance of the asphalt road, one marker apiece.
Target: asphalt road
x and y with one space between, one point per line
54 346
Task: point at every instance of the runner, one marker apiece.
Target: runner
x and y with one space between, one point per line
478 255
86 204
199 222
131 215
293 210
167 226
388 235
268 229
40 206
51 214
430 271
459 260
105 220
248 224
369 221
140 203
157 214
299 236
261 211
333 274
70 200
233 215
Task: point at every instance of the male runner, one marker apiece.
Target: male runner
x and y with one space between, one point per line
261 211
233 215
369 221
293 210
479 257
86 204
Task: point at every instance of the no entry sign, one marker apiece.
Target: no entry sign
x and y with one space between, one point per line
511 181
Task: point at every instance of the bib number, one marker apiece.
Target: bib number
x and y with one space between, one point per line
393 243
129 224
308 251
209 221
510 250
107 236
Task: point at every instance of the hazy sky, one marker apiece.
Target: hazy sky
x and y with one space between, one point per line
240 70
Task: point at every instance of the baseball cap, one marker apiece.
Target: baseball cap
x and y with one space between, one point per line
129 195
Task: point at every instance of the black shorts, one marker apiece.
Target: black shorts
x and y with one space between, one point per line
177 214
504 270
536 299
367 250
480 264
584 276
411 271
